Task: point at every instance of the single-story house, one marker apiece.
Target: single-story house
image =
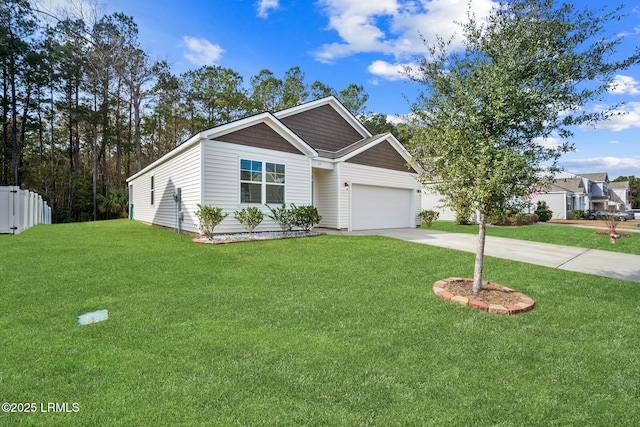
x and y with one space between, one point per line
316 153
564 195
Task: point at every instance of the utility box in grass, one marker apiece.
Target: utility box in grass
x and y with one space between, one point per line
93 317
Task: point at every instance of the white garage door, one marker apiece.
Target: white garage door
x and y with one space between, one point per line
380 207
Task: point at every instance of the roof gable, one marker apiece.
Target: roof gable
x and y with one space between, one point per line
570 185
382 155
259 135
619 185
596 177
322 128
324 124
263 131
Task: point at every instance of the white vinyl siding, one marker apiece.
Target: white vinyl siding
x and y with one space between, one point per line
181 171
557 202
432 201
221 175
325 199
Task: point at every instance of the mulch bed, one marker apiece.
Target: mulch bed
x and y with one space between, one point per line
493 298
606 233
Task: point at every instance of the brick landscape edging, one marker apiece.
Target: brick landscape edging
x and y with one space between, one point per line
523 305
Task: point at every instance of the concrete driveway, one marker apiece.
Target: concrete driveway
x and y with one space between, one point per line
589 261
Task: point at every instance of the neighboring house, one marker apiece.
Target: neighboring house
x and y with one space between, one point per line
592 191
563 196
567 192
432 201
620 194
312 154
598 190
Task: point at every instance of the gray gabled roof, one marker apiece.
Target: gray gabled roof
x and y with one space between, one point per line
596 177
619 185
569 185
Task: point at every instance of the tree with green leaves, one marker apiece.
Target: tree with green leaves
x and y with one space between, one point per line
524 74
17 27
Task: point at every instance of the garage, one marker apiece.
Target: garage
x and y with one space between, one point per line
374 207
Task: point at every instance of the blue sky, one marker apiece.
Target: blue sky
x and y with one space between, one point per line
339 42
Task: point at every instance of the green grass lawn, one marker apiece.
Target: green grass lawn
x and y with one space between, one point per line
553 233
322 331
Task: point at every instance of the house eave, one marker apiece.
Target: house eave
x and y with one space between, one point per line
195 139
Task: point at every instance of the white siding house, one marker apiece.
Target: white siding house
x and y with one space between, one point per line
316 153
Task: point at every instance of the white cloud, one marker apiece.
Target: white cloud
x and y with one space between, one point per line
627 116
614 166
388 71
202 51
393 26
265 5
636 30
625 85
551 142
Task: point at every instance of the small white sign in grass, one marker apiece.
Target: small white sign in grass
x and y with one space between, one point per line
93 317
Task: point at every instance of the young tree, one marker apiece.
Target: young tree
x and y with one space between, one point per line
524 75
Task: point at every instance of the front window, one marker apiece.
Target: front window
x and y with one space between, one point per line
261 182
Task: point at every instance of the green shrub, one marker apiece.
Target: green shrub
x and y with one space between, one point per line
498 217
209 217
521 219
429 216
283 216
577 214
543 211
250 217
463 214
305 216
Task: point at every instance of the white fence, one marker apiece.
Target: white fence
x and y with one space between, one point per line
21 210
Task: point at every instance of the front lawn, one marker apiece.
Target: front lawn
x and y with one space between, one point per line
552 233
321 331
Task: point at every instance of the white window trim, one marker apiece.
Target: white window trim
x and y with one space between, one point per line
263 182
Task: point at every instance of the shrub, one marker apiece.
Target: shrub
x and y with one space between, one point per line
283 216
543 211
305 216
463 214
209 217
497 217
249 217
577 214
521 219
429 216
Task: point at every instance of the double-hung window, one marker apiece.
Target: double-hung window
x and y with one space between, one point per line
261 182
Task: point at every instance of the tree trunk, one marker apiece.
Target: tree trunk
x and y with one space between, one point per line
136 100
15 149
477 273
